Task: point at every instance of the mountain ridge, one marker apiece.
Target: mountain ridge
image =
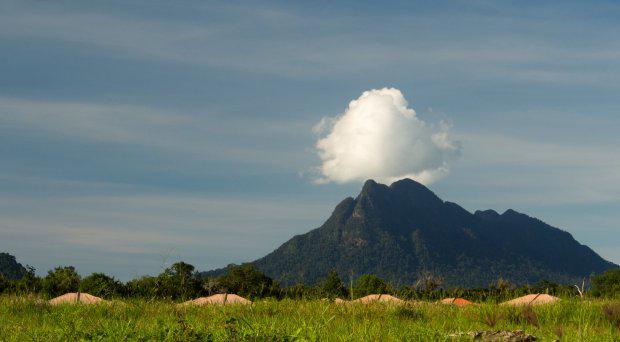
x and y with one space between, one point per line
404 231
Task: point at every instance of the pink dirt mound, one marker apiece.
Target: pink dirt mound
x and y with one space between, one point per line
383 298
532 299
456 301
76 298
339 301
219 299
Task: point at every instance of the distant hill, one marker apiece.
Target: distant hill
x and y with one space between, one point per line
10 268
404 231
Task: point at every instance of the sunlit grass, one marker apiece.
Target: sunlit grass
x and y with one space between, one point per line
30 319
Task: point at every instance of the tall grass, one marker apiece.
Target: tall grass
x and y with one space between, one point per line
296 320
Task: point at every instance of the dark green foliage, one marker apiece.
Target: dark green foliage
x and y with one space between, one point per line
607 284
370 284
101 285
545 286
246 281
144 287
179 281
404 232
9 267
60 281
29 283
5 284
332 287
426 285
300 291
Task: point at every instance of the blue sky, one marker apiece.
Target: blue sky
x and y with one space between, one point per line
134 134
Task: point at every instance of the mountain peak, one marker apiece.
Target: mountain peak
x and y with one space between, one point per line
403 231
405 181
369 185
489 214
405 194
404 185
408 189
511 212
410 185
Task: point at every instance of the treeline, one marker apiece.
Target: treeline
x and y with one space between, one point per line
181 281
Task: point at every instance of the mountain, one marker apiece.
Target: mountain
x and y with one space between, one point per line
404 231
10 268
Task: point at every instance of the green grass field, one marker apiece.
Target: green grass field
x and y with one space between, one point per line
289 320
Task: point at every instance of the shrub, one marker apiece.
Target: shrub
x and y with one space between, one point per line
29 283
246 281
332 286
370 284
179 281
101 285
145 287
4 284
607 284
60 281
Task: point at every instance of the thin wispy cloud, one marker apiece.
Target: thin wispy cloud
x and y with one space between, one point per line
331 47
127 119
543 172
195 135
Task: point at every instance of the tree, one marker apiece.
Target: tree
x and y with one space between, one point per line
60 281
299 291
210 285
29 283
179 281
607 284
145 287
428 283
332 286
101 285
245 280
370 284
5 284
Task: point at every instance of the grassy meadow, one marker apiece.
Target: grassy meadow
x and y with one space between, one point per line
24 319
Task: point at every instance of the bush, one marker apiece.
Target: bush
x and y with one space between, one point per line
179 281
60 281
145 287
607 284
246 281
101 285
29 283
370 284
5 284
332 287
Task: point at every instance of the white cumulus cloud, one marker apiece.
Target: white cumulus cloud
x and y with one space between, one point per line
380 137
